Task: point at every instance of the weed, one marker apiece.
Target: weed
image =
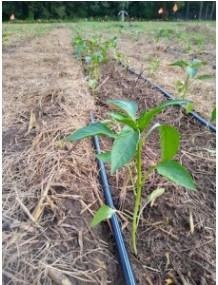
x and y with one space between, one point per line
127 146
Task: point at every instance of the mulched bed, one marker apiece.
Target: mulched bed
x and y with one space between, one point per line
50 189
167 250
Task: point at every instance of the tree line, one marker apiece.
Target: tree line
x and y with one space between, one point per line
145 10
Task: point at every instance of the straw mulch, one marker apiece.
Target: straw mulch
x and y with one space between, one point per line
50 188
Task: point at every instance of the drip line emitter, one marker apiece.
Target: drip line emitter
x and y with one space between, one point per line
123 255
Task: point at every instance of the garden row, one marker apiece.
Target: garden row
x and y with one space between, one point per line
172 231
152 47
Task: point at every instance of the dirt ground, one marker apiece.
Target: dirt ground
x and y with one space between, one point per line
50 188
139 52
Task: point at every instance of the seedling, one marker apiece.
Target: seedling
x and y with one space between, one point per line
213 115
93 52
191 70
165 34
5 37
127 147
154 65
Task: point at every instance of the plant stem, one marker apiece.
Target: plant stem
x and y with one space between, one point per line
132 180
145 177
186 85
138 194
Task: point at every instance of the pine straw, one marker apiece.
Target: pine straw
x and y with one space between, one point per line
50 187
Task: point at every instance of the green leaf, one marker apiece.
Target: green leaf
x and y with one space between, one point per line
197 63
191 71
129 107
124 148
87 59
213 115
169 141
154 195
147 116
181 87
92 83
104 156
180 63
175 172
102 214
189 107
204 77
91 130
123 119
193 67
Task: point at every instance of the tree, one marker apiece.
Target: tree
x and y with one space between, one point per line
212 10
101 9
200 10
187 10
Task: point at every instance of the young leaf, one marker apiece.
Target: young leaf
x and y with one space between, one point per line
204 77
124 148
197 63
91 130
189 107
104 156
146 117
103 213
191 71
129 107
154 195
123 119
169 142
177 173
92 83
213 115
180 63
181 87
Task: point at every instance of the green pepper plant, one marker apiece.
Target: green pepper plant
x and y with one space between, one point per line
191 70
153 66
93 52
128 145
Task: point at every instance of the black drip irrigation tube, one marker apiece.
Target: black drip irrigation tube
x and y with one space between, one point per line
169 96
124 260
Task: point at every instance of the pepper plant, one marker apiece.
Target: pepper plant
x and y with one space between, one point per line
93 52
165 34
153 66
127 147
191 70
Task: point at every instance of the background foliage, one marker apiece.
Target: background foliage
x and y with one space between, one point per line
25 10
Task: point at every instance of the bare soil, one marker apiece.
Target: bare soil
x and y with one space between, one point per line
168 250
139 52
50 187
